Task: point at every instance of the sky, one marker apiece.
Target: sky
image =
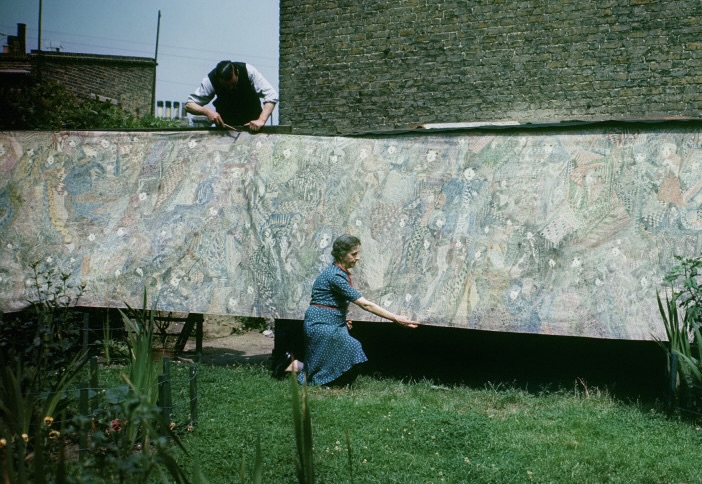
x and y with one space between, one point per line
193 35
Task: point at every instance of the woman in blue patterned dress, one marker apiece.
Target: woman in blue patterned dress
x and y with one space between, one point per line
331 352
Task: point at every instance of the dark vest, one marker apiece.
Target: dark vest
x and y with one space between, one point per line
238 106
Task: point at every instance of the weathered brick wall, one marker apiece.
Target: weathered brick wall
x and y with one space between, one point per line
363 65
128 80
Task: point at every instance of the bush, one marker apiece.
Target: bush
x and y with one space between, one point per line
47 104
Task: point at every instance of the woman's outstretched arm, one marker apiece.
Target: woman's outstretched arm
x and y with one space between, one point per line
371 307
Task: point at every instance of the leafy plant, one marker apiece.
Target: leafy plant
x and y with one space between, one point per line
42 357
143 372
304 462
48 104
681 312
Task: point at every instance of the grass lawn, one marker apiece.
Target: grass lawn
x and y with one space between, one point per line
409 432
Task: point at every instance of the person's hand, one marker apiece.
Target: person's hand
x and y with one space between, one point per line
405 321
349 324
214 118
255 125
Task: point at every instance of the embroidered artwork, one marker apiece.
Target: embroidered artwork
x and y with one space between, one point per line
534 231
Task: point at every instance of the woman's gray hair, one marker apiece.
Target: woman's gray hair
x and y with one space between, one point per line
343 245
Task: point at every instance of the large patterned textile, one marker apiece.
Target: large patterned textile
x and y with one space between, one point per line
536 231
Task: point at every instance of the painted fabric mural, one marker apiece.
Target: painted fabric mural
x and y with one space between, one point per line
535 231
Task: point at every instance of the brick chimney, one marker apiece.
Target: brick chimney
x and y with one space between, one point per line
17 44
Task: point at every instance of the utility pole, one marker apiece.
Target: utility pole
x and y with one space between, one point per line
41 4
153 87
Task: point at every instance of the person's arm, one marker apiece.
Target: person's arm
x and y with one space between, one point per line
212 115
371 307
197 101
257 124
268 96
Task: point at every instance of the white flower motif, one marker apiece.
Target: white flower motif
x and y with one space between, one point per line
551 263
363 154
358 223
287 153
486 230
121 232
143 196
213 211
576 263
91 237
469 173
249 290
408 297
49 260
598 282
28 282
139 272
403 222
118 273
392 149
478 255
192 143
50 160
175 281
432 155
9 246
459 244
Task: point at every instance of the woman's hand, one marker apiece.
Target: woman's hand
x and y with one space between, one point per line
405 321
349 324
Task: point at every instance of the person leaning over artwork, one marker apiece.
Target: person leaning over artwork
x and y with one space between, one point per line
331 353
238 90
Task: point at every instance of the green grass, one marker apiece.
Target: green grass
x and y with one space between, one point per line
421 432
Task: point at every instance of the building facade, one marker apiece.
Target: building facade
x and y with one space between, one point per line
356 66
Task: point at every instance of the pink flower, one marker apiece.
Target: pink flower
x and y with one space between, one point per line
116 425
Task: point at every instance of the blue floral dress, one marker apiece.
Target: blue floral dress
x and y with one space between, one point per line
330 350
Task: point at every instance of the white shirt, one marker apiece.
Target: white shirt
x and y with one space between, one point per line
206 91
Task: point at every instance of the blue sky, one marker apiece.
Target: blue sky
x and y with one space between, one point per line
194 35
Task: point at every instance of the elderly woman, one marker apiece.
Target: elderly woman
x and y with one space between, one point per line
331 352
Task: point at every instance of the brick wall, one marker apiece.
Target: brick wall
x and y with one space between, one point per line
363 65
126 80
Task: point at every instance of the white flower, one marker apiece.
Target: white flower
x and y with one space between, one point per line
432 155
121 232
91 237
478 255
358 222
552 263
213 211
118 273
175 281
49 260
139 272
28 282
9 245
249 290
363 154
408 297
143 196
287 153
50 160
459 244
192 143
